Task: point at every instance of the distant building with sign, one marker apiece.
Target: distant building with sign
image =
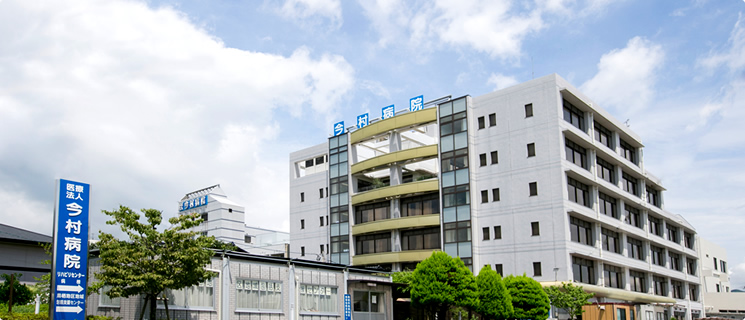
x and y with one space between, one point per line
225 220
535 178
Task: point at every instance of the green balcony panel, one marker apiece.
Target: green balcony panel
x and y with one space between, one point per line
392 257
396 191
398 157
427 220
405 120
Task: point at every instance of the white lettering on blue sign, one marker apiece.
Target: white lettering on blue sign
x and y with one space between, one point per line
193 203
363 120
388 112
338 128
416 103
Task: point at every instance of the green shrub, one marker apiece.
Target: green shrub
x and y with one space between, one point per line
23 316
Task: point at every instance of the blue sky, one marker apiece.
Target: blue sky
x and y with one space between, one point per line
149 100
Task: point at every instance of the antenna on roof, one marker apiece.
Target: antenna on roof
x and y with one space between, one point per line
627 123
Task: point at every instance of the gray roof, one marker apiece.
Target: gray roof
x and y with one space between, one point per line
15 234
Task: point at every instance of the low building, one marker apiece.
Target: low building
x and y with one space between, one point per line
22 251
719 300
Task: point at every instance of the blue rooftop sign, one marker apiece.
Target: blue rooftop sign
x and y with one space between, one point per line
416 103
193 203
388 112
338 128
363 120
70 257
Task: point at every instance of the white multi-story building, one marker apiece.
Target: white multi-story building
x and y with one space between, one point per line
225 220
531 179
719 301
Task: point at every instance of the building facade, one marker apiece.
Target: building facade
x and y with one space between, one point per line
22 252
532 179
719 300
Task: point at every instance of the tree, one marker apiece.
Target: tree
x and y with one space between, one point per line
21 293
44 284
403 277
441 282
151 261
529 301
494 299
569 297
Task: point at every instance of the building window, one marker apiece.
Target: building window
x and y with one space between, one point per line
653 196
688 240
452 161
106 301
613 276
533 186
258 294
629 152
371 304
420 205
603 135
691 266
574 116
374 243
723 266
674 261
482 123
482 159
320 192
528 110
485 232
420 239
633 217
576 154
608 205
578 192
606 171
497 232
498 268
583 270
638 281
321 219
672 233
484 196
581 231
495 194
658 255
302 197
655 226
718 288
715 264
531 150
318 299
536 269
660 285
201 295
302 251
611 241
302 224
492 119
692 292
634 248
630 184
321 249
372 212
535 228
458 232
494 157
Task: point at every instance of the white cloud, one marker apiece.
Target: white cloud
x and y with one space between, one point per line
500 81
626 77
146 107
300 10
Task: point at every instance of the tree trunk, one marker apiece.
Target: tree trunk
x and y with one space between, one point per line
152 306
165 303
144 306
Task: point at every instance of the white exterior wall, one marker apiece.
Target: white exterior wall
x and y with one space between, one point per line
311 209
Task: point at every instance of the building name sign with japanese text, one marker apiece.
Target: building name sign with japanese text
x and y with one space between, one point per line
338 128
363 120
388 112
193 203
70 257
416 103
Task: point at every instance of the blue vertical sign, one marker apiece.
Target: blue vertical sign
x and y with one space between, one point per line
363 120
70 257
338 128
347 307
388 112
416 103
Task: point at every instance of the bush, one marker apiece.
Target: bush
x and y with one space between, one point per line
21 293
23 316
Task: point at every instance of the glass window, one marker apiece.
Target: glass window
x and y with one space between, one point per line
634 248
492 119
653 196
366 301
537 269
655 226
494 157
106 301
574 116
583 270
658 255
691 266
485 233
533 186
372 212
672 233
630 184
613 276
420 239
497 232
674 261
633 217
420 205
606 171
484 196
201 295
638 281
629 152
482 159
660 285
578 192
375 243
482 123
535 228
528 110
315 298
576 154
611 241
495 194
608 205
581 231
531 150
603 135
258 294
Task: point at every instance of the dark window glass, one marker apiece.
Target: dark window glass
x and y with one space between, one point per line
611 241
495 194
372 212
484 196
655 226
531 149
308 163
658 255
574 116
672 233
608 205
675 261
535 228
688 240
634 248
633 217
494 157
629 152
420 205
497 232
320 160
677 289
660 285
492 119
606 170
537 269
482 124
302 251
581 231
498 268
638 281
458 231
613 276
583 270
485 232
578 192
320 192
374 243
691 266
653 196
482 159
528 110
692 292
603 135
321 220
302 197
576 154
302 223
533 186
420 239
630 184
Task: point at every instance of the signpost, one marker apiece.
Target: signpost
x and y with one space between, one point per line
70 246
347 307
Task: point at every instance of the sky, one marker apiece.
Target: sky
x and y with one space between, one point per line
150 100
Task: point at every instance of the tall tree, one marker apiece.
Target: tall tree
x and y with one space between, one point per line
152 261
441 282
569 298
494 299
529 301
21 293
